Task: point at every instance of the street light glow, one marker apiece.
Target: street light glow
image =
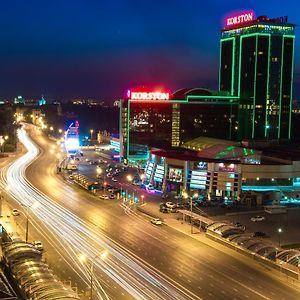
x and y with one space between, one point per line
129 177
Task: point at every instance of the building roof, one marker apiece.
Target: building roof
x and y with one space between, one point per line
212 148
188 155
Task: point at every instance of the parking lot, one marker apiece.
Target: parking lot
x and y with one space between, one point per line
288 224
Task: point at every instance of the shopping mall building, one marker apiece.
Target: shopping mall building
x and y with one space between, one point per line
221 142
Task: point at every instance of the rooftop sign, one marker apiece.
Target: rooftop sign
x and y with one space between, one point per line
148 95
240 19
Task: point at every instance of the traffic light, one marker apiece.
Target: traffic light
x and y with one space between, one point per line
136 199
123 193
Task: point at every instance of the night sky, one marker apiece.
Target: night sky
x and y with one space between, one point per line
96 48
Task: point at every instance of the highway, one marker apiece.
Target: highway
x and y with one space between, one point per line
143 261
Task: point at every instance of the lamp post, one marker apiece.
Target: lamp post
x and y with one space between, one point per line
279 232
83 258
2 141
34 206
91 132
142 197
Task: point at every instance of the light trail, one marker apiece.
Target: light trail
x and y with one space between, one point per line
135 277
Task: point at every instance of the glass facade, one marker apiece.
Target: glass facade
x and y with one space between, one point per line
260 59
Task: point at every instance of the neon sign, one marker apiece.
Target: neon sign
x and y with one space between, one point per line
240 19
148 95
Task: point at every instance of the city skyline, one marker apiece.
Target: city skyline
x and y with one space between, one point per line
99 50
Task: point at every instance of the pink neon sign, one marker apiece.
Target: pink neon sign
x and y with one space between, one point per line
240 19
148 95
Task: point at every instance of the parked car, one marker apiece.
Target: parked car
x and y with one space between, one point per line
165 196
104 197
38 245
180 205
109 175
239 225
257 219
15 212
173 210
170 204
163 209
156 221
259 234
112 196
114 179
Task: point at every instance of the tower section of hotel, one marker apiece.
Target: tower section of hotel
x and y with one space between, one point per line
256 64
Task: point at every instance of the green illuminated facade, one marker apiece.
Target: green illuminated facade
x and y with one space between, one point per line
256 64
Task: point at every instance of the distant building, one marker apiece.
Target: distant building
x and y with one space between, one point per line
19 100
41 101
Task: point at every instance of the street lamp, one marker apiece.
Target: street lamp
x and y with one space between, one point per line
91 131
185 196
83 258
279 232
98 170
60 130
51 128
129 177
33 206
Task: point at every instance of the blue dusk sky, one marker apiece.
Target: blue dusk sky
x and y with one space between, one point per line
95 48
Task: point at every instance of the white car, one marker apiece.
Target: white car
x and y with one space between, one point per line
104 197
257 219
38 245
15 212
109 175
150 187
156 221
170 205
114 179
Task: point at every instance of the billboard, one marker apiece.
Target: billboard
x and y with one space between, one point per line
72 138
175 174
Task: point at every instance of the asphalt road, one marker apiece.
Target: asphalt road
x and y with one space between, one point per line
144 261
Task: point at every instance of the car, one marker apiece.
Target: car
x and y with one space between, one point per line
71 176
15 212
257 219
239 225
173 210
259 234
179 205
109 175
112 196
150 188
111 190
38 245
170 204
104 197
226 205
137 183
156 221
114 179
165 196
